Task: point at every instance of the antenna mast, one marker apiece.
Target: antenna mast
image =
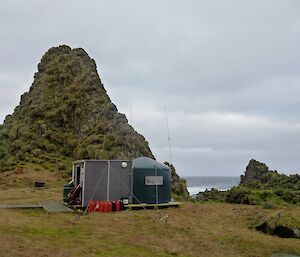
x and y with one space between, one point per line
131 115
169 139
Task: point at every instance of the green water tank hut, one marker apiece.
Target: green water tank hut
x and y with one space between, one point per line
151 181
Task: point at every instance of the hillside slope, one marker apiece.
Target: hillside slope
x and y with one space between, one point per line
67 115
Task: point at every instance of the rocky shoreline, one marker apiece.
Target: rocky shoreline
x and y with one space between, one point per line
270 189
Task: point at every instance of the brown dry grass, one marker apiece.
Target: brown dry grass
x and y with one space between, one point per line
193 230
14 179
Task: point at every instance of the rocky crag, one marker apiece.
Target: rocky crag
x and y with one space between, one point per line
258 175
67 115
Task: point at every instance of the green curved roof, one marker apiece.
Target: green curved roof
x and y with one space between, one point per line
148 163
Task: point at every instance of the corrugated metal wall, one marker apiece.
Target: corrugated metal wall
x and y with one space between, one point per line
120 180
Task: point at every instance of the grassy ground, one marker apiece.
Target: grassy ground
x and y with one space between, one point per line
193 230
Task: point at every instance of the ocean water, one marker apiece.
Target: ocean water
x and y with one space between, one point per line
200 184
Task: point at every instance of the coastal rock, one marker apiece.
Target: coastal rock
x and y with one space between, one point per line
255 173
258 175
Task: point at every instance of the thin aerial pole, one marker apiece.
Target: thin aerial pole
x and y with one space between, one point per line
131 115
132 128
169 138
156 188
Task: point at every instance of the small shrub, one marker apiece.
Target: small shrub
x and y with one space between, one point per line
253 199
36 152
264 195
268 205
289 196
3 164
62 166
211 195
237 195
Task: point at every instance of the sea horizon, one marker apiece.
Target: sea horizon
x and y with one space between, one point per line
196 184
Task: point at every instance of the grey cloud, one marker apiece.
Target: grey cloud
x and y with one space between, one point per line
227 71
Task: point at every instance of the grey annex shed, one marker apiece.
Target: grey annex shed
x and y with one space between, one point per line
103 180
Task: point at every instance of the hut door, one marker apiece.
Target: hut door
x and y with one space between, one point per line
77 175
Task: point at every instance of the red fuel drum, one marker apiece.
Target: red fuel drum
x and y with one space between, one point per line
92 206
109 206
118 205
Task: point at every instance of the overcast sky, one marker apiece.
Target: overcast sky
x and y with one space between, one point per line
228 72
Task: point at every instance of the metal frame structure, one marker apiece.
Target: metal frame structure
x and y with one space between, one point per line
99 179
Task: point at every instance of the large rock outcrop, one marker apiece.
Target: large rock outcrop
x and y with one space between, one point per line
255 172
258 175
67 115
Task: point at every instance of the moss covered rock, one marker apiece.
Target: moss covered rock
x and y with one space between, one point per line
179 187
278 223
258 175
67 115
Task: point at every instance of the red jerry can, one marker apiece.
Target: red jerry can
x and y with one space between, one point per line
118 205
101 206
92 206
105 206
109 206
97 207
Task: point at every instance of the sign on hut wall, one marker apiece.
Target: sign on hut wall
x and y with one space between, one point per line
154 180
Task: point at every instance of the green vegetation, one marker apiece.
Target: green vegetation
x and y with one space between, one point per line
66 115
259 186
